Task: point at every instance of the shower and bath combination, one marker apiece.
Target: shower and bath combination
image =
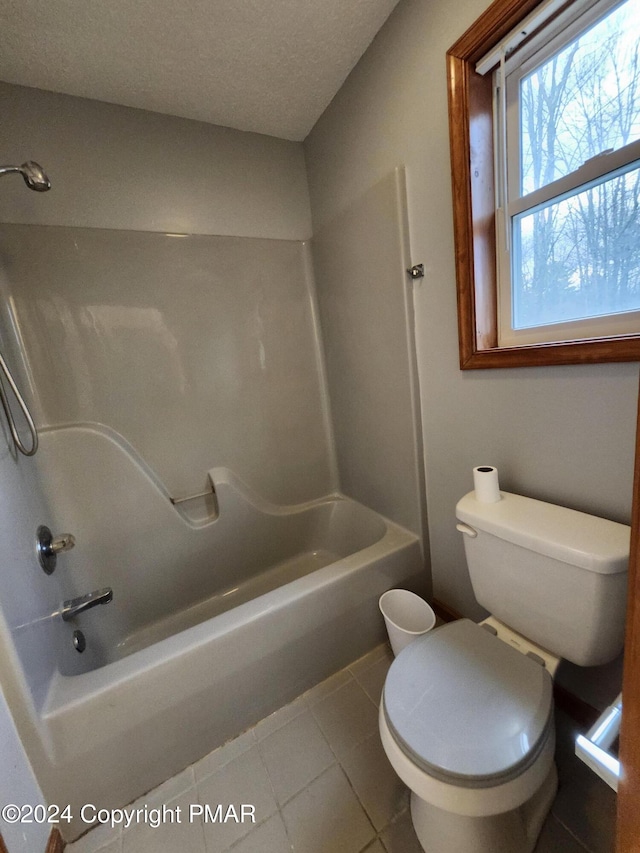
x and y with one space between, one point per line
36 179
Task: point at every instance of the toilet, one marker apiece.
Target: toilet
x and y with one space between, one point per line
466 717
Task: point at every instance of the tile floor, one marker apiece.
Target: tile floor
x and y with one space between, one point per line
320 783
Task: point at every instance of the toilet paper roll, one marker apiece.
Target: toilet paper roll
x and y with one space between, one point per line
485 483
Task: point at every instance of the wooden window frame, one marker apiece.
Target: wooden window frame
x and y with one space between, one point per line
471 141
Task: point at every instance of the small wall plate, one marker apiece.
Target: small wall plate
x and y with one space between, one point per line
46 555
48 548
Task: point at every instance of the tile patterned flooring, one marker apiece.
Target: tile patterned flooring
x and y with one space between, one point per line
320 783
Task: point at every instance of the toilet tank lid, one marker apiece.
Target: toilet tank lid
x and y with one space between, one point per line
573 537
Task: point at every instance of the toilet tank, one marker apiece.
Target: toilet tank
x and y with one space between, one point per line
555 575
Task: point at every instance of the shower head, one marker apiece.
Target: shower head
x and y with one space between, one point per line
33 174
35 177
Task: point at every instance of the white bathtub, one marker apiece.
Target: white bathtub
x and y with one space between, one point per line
264 616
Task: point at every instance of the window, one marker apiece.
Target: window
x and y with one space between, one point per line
545 143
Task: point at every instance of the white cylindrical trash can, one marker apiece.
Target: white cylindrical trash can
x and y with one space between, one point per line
406 615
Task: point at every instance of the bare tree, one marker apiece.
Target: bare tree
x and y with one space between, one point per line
580 256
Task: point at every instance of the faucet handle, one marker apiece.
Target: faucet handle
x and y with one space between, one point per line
64 542
48 548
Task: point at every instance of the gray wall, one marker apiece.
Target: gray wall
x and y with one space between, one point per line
563 434
118 167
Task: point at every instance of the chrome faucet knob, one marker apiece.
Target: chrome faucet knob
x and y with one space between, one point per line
48 548
65 542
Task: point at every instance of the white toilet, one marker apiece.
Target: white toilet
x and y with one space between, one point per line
466 716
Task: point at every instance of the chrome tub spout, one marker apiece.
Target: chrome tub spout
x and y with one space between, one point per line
73 606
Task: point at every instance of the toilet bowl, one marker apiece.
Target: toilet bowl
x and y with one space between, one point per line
466 717
467 724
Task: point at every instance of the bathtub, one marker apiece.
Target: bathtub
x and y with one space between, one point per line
175 668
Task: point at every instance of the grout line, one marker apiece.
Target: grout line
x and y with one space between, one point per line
202 832
266 770
369 698
395 819
275 799
360 684
311 781
315 779
303 707
359 799
211 773
571 833
364 810
243 838
381 650
312 702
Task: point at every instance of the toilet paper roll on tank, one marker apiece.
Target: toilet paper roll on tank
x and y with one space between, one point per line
485 484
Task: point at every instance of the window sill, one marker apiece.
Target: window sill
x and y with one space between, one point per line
601 350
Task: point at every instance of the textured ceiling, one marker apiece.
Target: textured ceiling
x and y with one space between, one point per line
269 66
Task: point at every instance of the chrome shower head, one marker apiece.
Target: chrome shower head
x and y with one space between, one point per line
35 177
33 174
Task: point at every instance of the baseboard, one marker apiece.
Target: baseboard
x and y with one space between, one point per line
446 613
56 842
582 712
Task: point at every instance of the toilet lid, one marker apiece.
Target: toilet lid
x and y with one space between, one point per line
466 707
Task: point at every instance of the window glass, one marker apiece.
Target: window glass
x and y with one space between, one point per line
579 257
583 100
546 215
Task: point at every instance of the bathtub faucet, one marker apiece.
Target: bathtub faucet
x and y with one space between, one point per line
73 606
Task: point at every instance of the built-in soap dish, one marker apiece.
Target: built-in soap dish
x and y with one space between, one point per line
199 508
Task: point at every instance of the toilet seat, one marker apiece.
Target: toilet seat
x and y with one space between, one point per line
472 802
467 709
